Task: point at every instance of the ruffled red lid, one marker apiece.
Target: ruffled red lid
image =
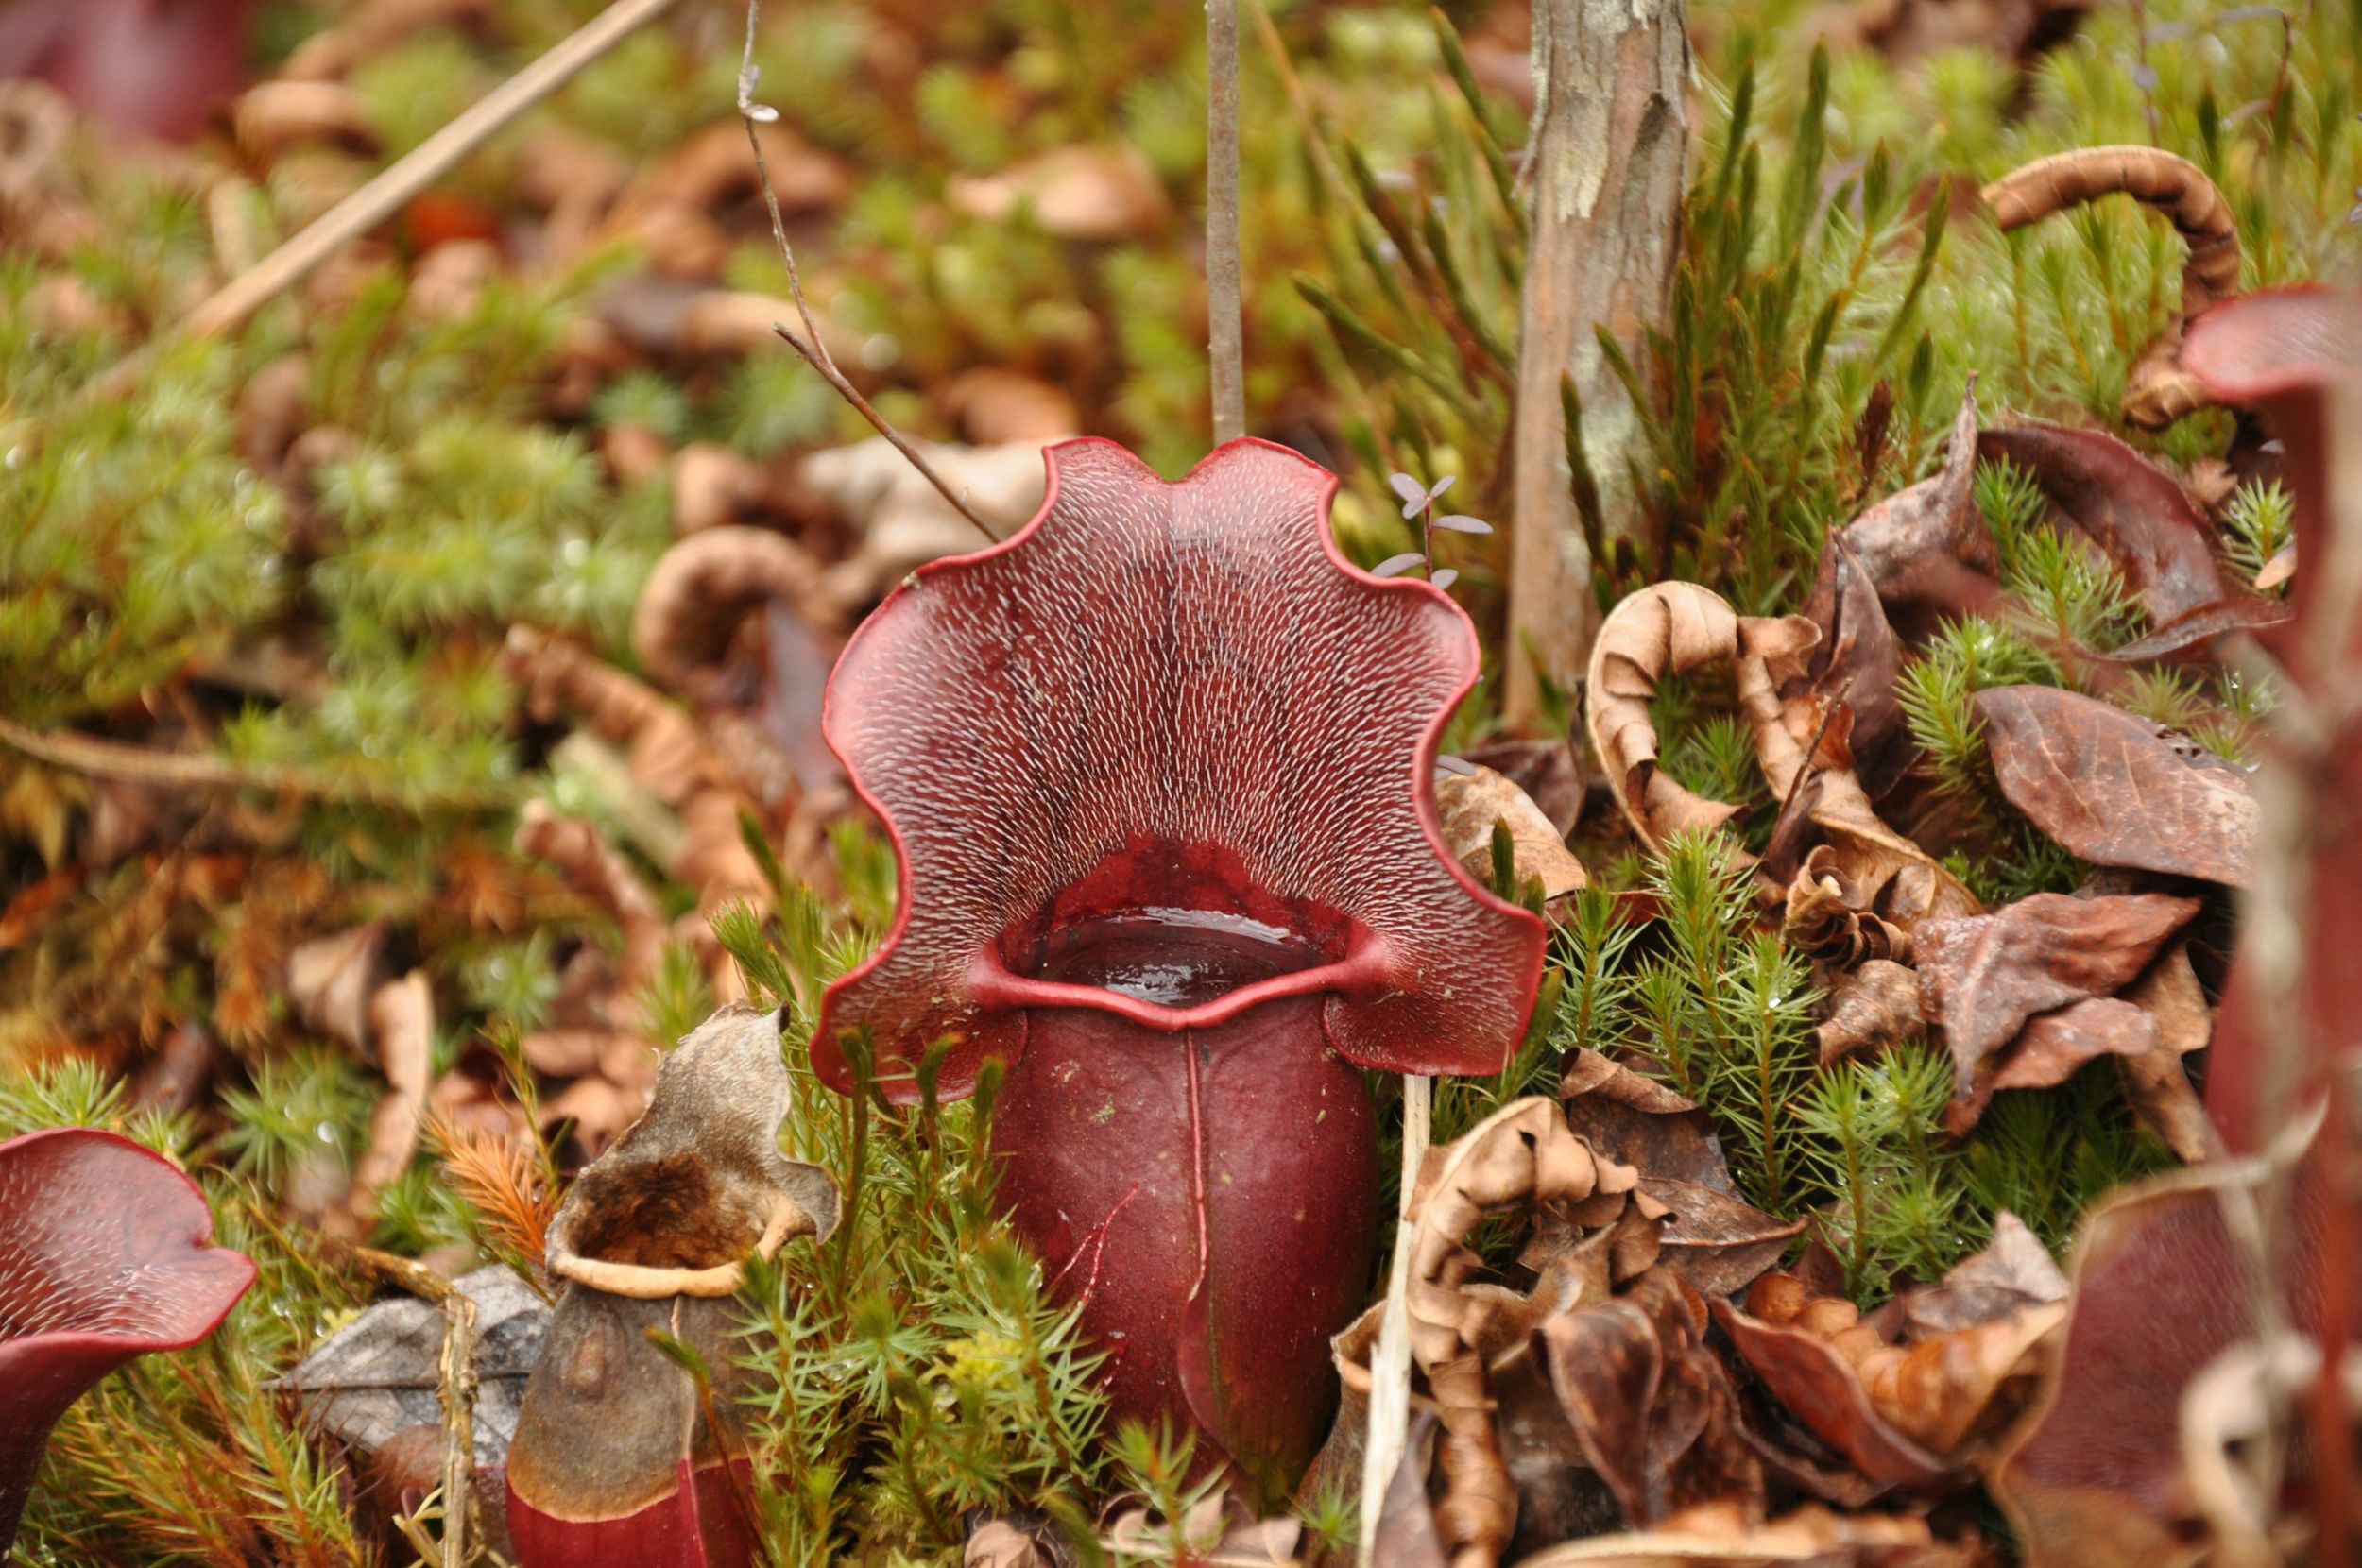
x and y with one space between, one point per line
1169 696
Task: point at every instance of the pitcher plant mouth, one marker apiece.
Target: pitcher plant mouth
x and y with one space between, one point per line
1173 938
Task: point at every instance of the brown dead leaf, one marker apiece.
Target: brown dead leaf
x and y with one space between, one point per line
2012 1270
1077 193
2157 1085
997 1543
711 486
1982 977
594 869
1902 1413
595 1110
331 980
1677 628
1708 1235
1470 804
562 676
272 116
1216 1528
902 520
401 1026
1925 550
1859 665
2053 1044
1649 1405
714 169
1548 771
2136 513
1875 1007
620 1057
993 406
2115 789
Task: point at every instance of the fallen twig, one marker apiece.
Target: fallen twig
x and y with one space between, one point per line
97 759
813 348
229 306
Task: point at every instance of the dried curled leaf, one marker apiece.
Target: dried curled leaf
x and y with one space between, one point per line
1522 1154
1709 1236
1651 1406
1903 1413
2115 789
1829 824
1829 917
1982 977
1470 804
1672 629
1876 1006
2136 513
699 1182
705 586
2159 391
1924 550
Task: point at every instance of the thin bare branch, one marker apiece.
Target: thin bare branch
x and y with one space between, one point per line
385 196
812 346
1224 316
102 758
227 308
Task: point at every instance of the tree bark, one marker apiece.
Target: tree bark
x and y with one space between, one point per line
1606 177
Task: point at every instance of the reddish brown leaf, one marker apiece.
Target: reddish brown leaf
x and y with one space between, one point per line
1925 550
1812 1382
2115 791
1902 1413
1649 1405
1710 1236
1981 976
2136 513
2053 1044
2194 632
1859 664
1876 1006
